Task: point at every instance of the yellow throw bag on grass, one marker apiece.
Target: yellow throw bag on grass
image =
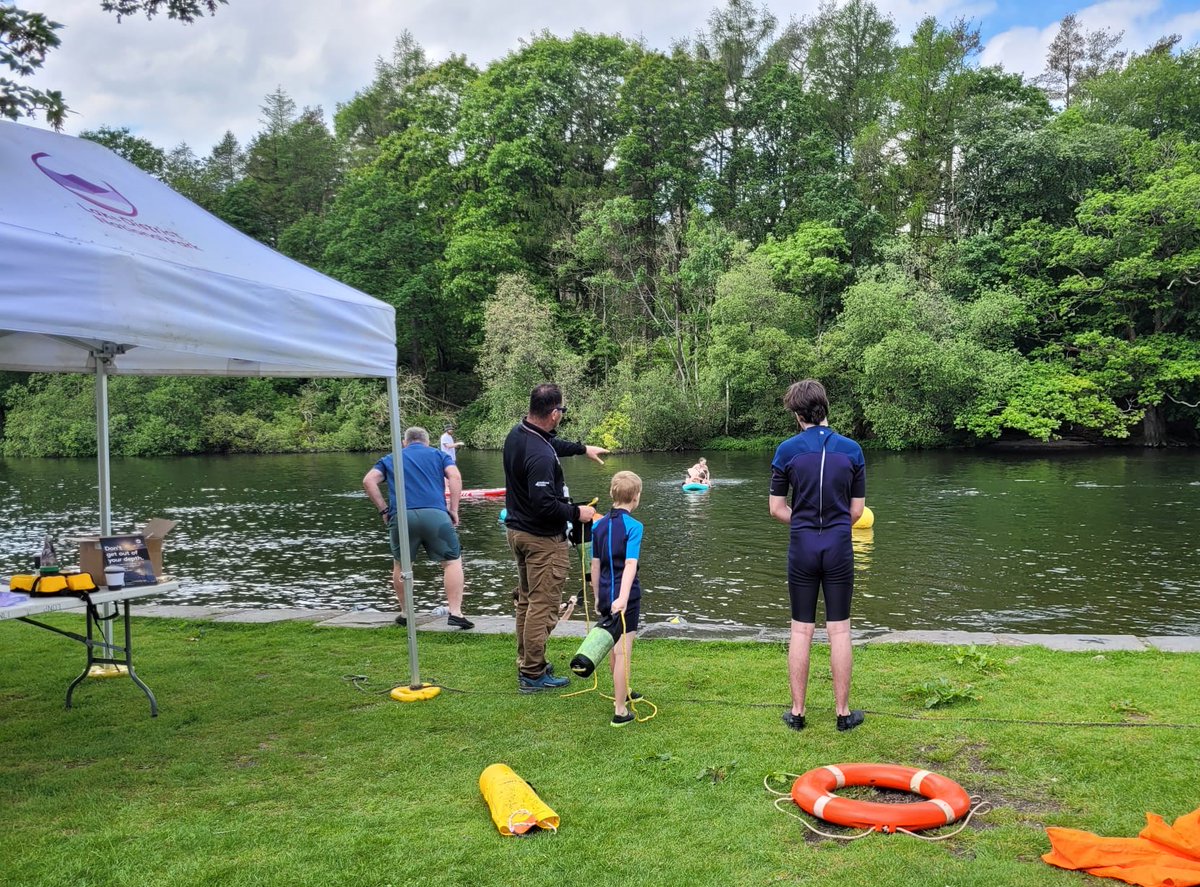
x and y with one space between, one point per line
516 808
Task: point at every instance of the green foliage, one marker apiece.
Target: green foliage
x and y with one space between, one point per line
54 415
759 345
941 693
50 415
140 152
1044 399
522 347
742 444
25 40
977 658
1128 707
1157 92
906 358
717 773
645 408
684 233
616 427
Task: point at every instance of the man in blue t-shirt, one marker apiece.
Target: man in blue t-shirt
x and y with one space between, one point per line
827 477
427 475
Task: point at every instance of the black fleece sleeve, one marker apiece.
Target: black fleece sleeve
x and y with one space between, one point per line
544 500
567 447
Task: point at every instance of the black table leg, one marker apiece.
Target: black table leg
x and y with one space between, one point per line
127 661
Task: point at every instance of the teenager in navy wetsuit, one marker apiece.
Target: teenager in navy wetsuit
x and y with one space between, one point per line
825 474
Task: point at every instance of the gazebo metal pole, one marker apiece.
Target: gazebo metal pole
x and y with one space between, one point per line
101 358
402 527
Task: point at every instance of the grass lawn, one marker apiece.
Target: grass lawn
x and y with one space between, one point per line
267 766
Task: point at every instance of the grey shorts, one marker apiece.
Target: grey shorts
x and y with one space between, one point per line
430 527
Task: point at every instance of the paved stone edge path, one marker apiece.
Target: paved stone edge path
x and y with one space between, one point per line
487 624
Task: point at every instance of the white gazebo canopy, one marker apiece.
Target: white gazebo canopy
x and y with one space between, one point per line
93 250
105 270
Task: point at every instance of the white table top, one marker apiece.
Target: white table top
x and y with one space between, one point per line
54 603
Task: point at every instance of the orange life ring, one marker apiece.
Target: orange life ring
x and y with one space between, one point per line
946 799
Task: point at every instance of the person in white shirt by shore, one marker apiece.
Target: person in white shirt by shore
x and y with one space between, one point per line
448 444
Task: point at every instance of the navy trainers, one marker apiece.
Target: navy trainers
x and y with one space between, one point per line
621 720
794 722
546 681
459 622
852 720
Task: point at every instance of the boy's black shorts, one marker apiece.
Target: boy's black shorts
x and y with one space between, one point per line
633 613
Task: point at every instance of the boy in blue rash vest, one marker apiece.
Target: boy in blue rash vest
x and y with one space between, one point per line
826 475
616 549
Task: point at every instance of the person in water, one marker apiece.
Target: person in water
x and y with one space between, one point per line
698 473
448 445
826 476
616 550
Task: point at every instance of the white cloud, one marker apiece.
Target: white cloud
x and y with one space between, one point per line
1024 49
1018 49
171 82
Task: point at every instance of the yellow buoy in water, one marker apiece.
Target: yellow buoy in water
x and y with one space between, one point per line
415 694
867 519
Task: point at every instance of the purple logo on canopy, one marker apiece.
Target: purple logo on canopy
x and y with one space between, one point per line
104 196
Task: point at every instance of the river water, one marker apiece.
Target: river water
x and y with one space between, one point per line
1078 542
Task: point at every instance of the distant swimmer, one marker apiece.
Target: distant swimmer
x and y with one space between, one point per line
698 473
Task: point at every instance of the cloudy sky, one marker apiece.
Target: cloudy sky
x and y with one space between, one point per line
173 83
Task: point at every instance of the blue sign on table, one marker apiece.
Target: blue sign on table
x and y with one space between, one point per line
131 553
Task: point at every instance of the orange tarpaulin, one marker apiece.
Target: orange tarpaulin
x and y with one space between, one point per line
1160 856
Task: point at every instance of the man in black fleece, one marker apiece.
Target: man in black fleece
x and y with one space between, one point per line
538 511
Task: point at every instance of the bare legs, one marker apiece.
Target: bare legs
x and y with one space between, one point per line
619 663
452 581
398 585
799 648
840 659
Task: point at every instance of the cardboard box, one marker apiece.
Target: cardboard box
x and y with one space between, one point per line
91 559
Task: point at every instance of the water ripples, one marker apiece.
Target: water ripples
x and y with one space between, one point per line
1094 542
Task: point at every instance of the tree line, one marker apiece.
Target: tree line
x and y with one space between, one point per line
961 254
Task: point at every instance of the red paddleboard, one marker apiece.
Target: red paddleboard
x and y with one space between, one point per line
492 493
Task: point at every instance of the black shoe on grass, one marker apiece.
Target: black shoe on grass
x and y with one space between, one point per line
621 720
402 621
459 622
850 721
793 722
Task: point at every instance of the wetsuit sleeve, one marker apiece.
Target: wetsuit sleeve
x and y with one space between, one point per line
779 481
633 539
858 479
544 500
567 447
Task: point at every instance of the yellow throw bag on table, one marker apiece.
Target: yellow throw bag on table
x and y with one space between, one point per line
516 808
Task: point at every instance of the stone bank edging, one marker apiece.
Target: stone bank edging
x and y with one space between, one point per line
485 624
